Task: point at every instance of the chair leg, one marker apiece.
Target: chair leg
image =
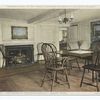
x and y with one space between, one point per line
85 62
70 67
93 76
82 77
3 63
56 77
78 64
44 78
37 58
53 80
70 64
67 78
97 81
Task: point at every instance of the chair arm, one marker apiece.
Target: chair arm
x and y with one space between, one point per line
65 60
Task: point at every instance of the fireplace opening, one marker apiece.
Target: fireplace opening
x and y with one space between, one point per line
19 55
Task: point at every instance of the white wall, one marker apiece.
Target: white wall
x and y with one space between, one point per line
41 33
45 33
6 32
83 33
36 33
0 43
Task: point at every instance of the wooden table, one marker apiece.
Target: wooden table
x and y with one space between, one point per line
80 53
83 54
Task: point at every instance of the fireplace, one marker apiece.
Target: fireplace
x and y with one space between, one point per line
19 55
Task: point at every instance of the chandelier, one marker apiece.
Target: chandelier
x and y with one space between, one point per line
66 19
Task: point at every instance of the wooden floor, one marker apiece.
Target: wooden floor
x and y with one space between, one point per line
29 79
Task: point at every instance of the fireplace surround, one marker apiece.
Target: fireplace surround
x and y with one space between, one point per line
19 55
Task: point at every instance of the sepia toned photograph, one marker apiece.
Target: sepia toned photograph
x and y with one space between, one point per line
50 49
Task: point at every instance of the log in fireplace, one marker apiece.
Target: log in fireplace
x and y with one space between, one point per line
19 55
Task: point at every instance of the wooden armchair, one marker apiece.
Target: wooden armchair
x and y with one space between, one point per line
94 67
4 57
52 67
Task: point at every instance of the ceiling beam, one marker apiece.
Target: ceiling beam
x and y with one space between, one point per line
41 16
52 13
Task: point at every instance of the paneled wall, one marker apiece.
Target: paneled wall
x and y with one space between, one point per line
48 32
6 32
45 33
81 32
0 43
36 33
85 34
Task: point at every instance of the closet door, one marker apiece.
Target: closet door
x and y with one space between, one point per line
73 36
73 33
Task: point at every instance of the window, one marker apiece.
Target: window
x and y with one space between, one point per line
95 31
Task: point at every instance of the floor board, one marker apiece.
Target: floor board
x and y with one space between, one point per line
29 79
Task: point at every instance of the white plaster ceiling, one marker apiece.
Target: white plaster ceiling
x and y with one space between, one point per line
48 15
21 14
32 15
